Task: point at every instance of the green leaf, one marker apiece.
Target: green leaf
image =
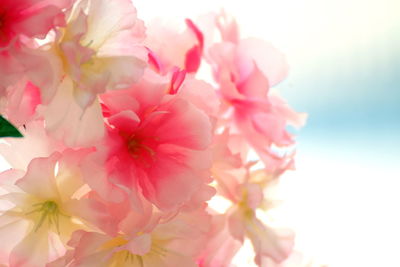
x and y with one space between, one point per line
7 129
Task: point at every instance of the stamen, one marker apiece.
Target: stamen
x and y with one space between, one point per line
140 260
49 210
89 43
123 256
158 250
134 146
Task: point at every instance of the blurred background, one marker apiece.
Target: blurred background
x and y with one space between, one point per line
344 198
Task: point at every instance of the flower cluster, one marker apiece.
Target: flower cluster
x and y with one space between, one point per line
124 144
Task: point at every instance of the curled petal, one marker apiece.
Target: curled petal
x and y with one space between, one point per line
39 179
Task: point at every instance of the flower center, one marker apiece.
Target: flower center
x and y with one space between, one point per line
2 15
122 257
1 22
49 211
3 35
136 147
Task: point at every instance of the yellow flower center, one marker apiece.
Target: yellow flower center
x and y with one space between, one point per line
247 212
115 242
122 257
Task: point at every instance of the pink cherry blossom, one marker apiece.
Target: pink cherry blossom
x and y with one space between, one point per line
244 187
241 222
45 203
245 78
174 243
156 142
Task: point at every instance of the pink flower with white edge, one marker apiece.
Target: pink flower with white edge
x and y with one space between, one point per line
273 243
244 188
101 50
101 47
44 207
240 222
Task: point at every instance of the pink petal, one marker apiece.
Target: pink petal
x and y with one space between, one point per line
40 145
221 246
39 22
196 31
22 102
173 184
201 94
86 243
139 245
255 84
67 121
228 27
13 230
268 242
254 195
184 125
93 212
193 59
294 118
39 179
32 251
42 67
95 175
273 127
177 79
236 224
270 60
110 22
126 121
69 176
175 177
